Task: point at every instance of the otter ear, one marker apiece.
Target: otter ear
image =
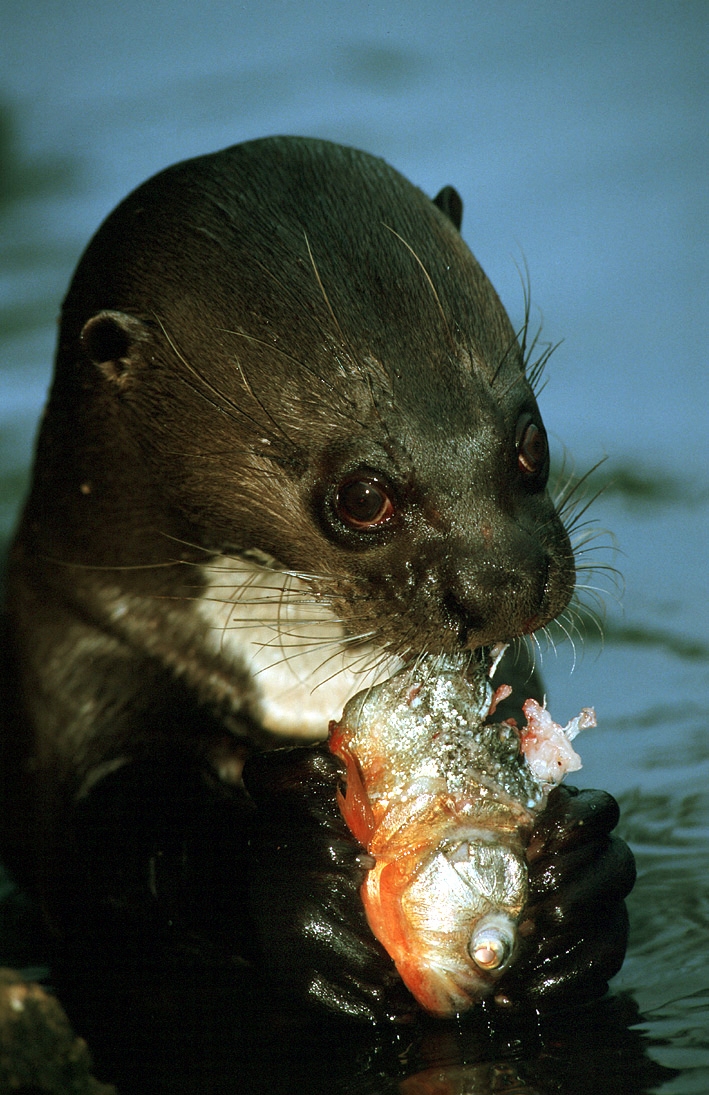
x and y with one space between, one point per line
450 202
112 341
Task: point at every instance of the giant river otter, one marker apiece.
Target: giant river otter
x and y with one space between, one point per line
292 442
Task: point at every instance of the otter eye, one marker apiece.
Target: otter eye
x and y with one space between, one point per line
532 450
363 503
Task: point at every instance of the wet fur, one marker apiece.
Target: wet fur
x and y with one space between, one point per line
241 333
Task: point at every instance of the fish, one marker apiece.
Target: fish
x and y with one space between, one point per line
443 800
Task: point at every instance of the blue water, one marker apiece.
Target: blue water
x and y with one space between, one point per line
576 134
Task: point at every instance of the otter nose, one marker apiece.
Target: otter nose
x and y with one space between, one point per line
490 597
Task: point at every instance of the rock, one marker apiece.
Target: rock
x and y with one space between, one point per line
39 1051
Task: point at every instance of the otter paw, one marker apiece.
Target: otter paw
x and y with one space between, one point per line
575 925
316 946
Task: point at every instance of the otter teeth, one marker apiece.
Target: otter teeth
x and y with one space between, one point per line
496 653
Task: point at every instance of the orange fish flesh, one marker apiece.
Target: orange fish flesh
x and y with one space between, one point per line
444 801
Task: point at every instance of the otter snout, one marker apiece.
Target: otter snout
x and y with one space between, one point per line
504 589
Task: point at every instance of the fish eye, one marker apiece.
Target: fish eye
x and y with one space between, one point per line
363 502
532 451
493 942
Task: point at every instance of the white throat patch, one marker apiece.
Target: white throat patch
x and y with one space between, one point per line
282 631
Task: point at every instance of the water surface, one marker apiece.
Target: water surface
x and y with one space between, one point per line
576 136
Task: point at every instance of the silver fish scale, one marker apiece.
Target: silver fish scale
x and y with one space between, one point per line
452 799
429 722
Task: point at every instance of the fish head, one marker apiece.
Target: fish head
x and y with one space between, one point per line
452 929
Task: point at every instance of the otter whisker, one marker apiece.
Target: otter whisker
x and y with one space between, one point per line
586 614
259 402
328 305
306 643
363 673
223 403
235 621
594 566
428 278
312 672
291 598
526 281
588 533
281 617
536 646
273 346
568 622
532 372
590 601
535 370
109 567
517 381
512 345
564 496
362 371
573 519
235 567
523 647
551 642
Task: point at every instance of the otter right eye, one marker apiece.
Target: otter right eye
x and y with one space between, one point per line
532 452
363 503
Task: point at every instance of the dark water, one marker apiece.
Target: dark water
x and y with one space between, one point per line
577 137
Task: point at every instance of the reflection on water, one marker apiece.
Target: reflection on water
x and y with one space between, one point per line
592 1051
669 911
210 1046
651 750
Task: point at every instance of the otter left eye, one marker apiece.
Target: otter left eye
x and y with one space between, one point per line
532 451
363 503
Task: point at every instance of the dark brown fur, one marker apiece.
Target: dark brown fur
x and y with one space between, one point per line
243 333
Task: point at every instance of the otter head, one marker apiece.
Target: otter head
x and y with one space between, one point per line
281 365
